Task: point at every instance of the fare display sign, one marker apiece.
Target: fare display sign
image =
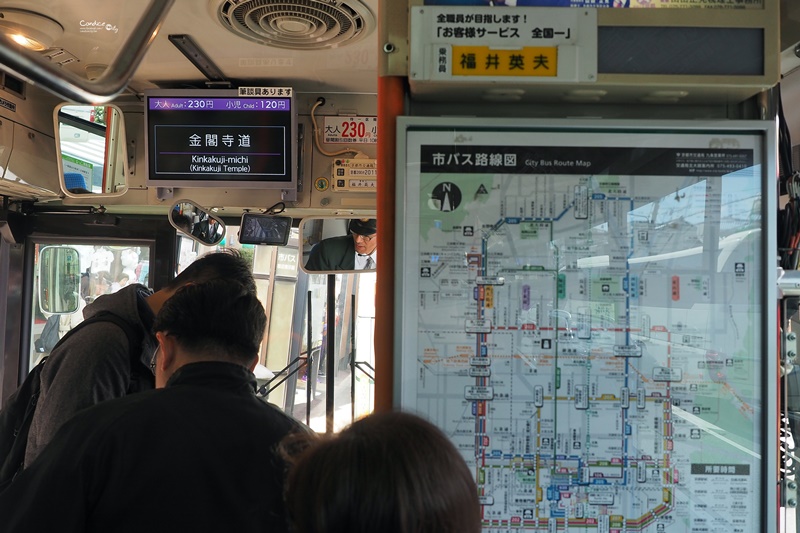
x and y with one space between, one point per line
237 140
350 130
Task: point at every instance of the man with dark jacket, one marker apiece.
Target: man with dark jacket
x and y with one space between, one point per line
94 364
356 251
200 454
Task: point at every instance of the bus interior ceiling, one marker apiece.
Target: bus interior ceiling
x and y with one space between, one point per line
326 53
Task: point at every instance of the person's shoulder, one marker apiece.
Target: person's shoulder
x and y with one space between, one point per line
271 409
88 338
336 242
95 329
126 303
114 415
287 422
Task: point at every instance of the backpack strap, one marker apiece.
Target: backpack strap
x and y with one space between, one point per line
134 334
17 413
15 423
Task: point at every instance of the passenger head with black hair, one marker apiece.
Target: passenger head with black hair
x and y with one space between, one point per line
183 222
218 320
388 473
227 263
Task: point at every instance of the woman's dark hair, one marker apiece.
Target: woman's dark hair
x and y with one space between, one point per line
386 473
219 316
226 264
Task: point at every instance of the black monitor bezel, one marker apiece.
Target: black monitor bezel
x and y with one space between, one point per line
214 180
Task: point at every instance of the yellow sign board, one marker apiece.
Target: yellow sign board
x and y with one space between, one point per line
540 61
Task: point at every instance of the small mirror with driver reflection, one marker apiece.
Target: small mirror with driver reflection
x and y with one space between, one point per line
196 223
339 244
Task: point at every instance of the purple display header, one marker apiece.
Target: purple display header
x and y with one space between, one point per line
240 103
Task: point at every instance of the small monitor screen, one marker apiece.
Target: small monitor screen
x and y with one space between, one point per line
264 229
202 138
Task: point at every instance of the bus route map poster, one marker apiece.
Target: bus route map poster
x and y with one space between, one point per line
588 312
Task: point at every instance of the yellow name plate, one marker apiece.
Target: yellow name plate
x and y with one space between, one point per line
539 61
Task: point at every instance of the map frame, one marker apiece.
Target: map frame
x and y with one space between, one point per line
578 167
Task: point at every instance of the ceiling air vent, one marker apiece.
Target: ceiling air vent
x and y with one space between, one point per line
299 24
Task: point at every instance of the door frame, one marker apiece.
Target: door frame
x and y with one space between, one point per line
17 270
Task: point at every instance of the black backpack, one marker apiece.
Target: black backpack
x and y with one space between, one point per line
49 337
17 413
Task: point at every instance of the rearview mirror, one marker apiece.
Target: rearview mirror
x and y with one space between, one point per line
339 244
196 223
91 150
59 279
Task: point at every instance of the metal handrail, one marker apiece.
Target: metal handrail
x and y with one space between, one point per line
38 70
282 375
360 365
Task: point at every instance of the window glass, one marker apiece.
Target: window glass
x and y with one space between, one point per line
105 269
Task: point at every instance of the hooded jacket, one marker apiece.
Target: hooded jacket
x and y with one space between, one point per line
93 365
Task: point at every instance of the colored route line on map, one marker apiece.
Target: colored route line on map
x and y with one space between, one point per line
482 442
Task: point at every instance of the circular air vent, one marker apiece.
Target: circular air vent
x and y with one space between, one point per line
298 24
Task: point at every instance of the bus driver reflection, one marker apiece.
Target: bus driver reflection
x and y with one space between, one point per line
207 230
357 251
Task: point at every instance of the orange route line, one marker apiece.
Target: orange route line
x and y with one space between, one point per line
644 378
747 406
